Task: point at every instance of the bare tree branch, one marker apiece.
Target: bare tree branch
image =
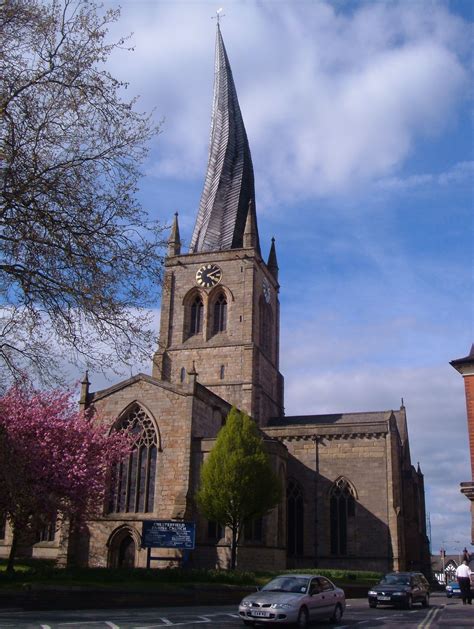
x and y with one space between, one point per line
80 261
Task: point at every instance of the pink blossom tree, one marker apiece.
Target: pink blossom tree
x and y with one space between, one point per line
54 459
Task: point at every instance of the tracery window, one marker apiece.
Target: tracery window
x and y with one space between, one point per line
197 309
342 507
220 314
295 515
47 532
133 479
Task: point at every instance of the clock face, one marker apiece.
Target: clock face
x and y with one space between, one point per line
208 275
266 290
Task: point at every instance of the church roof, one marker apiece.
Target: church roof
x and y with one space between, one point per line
334 418
229 183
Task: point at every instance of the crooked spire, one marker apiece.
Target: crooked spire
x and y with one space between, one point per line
229 183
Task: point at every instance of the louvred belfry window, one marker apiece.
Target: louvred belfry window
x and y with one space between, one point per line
220 314
196 316
133 479
266 327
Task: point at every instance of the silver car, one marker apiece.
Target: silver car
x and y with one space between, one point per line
294 598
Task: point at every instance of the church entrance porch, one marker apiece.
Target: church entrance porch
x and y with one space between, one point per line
122 550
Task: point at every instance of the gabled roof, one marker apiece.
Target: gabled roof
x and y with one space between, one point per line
229 183
139 377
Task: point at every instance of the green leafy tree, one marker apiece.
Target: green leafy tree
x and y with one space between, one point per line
237 480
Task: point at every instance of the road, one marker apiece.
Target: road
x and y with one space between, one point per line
357 614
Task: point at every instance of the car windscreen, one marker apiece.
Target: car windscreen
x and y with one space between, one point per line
395 579
287 584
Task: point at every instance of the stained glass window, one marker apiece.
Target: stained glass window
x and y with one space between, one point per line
342 507
295 514
133 479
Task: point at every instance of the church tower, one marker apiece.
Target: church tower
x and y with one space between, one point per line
220 309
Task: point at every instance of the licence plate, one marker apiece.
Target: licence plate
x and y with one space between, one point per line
261 614
383 598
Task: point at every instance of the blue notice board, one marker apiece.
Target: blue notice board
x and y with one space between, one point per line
168 534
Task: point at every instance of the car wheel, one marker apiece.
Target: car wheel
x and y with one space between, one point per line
449 595
409 603
337 615
303 618
426 601
373 604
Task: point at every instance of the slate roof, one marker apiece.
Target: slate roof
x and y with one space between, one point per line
465 360
335 418
229 184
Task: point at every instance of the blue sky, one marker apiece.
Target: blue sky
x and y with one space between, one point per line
359 118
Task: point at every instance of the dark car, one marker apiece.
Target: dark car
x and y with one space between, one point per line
401 589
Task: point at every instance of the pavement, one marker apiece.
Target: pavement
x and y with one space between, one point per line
453 614
443 612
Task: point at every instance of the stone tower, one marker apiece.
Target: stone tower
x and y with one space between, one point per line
220 313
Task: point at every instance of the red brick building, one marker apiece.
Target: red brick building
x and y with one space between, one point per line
465 366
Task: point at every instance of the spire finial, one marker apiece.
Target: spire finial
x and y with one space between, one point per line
218 16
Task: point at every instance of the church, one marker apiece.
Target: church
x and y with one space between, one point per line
352 498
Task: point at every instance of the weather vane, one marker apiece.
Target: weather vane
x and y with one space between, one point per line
218 15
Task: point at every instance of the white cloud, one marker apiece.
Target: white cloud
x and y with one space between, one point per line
330 100
360 370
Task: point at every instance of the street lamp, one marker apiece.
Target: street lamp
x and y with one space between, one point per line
442 552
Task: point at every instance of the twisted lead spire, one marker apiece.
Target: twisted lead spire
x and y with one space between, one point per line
229 182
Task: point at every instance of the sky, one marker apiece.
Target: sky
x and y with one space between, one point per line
359 116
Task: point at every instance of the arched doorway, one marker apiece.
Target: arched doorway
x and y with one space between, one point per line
126 553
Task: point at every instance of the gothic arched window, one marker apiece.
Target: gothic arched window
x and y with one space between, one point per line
295 515
197 309
253 530
220 314
133 479
342 507
266 326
